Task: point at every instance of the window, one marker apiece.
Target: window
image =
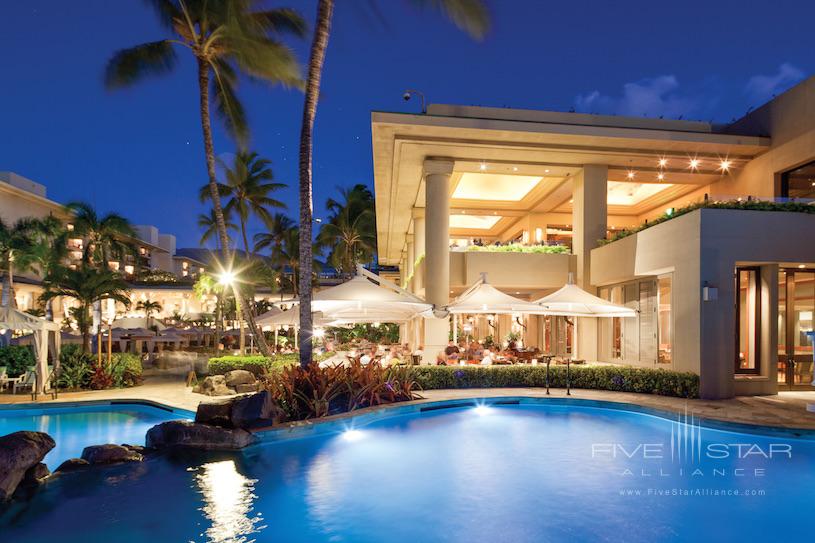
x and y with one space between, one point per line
748 314
665 323
799 183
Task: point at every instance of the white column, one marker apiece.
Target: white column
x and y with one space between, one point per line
419 250
437 252
411 259
589 224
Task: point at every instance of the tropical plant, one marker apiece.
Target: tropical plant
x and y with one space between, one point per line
87 286
75 367
16 359
248 187
50 247
469 15
350 231
225 38
209 225
16 243
276 228
103 238
149 307
286 256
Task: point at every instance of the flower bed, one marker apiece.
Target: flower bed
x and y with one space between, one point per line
749 205
518 248
619 378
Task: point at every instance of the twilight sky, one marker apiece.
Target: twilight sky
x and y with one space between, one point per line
139 151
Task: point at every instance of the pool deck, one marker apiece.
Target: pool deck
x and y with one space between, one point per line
786 410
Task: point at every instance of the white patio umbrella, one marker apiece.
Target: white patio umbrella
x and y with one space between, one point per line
573 301
483 298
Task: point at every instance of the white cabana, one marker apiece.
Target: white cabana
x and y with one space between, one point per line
573 301
13 319
483 298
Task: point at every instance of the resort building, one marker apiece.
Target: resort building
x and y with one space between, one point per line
728 294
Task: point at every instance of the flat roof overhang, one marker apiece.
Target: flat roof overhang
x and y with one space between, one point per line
402 141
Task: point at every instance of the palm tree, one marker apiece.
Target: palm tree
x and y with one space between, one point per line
50 248
88 286
285 255
16 243
469 15
209 223
248 190
149 307
276 228
224 38
350 231
103 238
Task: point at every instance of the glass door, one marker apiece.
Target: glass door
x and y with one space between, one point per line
796 306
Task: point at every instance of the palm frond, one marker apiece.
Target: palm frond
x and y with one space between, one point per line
471 16
128 66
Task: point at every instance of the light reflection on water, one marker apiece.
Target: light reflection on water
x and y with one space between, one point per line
228 502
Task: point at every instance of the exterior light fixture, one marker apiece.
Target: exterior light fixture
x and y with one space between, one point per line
545 171
226 278
802 266
724 165
630 174
661 176
669 211
663 162
694 164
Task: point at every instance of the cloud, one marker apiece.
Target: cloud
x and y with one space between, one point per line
651 97
761 88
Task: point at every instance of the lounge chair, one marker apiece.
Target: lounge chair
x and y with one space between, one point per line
3 376
27 380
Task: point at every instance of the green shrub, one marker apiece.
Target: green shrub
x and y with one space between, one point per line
257 364
75 367
620 378
125 370
17 359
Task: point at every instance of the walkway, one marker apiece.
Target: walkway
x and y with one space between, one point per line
787 409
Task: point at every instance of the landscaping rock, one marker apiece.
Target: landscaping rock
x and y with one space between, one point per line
239 377
19 452
215 413
72 464
179 433
247 388
255 411
214 385
110 454
33 478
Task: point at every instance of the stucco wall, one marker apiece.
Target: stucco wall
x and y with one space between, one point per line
511 270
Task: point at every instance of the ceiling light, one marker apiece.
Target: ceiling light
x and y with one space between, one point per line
545 171
515 168
725 165
694 164
663 162
630 175
482 167
661 177
802 266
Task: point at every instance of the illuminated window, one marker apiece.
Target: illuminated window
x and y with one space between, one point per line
748 310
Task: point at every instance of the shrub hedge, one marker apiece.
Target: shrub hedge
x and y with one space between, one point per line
619 378
259 365
17 359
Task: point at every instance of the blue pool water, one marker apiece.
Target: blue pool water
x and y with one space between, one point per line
74 428
501 473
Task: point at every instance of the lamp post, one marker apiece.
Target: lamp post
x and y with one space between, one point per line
228 278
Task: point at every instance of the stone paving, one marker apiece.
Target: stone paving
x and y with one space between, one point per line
786 410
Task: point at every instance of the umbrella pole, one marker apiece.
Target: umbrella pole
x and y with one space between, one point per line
548 361
568 377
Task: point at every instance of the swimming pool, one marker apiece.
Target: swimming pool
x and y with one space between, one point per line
526 471
75 426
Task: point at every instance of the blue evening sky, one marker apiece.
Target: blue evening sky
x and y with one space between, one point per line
139 151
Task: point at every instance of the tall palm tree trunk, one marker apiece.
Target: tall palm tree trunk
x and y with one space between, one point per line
209 151
9 300
325 11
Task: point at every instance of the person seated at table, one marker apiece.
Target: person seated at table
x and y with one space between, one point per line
489 357
441 359
475 351
452 351
366 357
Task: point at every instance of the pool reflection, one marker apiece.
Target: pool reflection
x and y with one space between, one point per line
228 498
